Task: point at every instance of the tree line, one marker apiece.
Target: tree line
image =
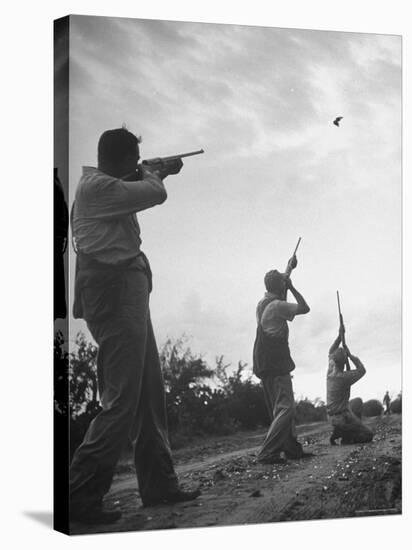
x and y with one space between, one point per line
201 400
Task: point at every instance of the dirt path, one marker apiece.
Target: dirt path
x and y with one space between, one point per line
185 463
339 481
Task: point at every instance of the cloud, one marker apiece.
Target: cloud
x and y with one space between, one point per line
261 102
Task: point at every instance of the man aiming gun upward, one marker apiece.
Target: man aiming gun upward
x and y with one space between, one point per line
273 364
112 286
345 424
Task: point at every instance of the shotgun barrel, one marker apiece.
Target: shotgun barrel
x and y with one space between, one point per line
343 334
288 269
173 157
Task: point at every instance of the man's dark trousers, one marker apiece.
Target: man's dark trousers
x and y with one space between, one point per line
116 308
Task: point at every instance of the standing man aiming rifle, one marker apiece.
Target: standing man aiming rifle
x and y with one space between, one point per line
345 424
273 364
112 286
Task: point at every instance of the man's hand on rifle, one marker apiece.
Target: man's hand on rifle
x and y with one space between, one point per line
292 263
173 166
163 168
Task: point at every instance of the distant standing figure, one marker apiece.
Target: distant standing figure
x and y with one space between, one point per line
273 364
387 403
345 424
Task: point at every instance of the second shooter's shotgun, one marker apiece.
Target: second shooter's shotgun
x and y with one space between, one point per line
289 268
343 334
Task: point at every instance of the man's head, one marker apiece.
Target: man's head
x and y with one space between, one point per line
275 283
118 152
339 356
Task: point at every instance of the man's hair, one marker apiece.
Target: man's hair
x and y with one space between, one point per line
115 145
274 281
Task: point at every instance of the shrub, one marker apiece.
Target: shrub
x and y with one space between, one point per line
396 405
200 399
306 411
373 407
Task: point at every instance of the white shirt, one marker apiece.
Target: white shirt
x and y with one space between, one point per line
338 385
275 316
104 218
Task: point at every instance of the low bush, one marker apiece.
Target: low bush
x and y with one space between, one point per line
373 407
396 405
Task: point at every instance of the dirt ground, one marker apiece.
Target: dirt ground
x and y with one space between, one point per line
341 481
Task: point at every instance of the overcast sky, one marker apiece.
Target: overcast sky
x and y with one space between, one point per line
261 102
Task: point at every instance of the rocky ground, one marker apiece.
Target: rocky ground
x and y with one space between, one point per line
341 481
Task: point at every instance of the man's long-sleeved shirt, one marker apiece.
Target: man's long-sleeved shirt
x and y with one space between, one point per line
104 221
338 385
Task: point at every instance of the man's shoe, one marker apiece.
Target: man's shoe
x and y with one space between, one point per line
171 498
94 516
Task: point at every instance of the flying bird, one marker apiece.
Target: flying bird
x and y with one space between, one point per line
337 120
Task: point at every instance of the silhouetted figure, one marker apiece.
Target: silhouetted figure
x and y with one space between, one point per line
337 120
387 403
61 224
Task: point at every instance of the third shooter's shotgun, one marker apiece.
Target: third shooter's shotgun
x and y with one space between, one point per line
343 334
289 268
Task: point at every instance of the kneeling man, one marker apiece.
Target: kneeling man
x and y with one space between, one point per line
345 424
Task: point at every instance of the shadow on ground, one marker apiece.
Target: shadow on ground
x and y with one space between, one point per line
44 518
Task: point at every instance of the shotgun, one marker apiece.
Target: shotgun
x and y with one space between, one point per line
165 160
289 269
158 163
343 334
162 162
